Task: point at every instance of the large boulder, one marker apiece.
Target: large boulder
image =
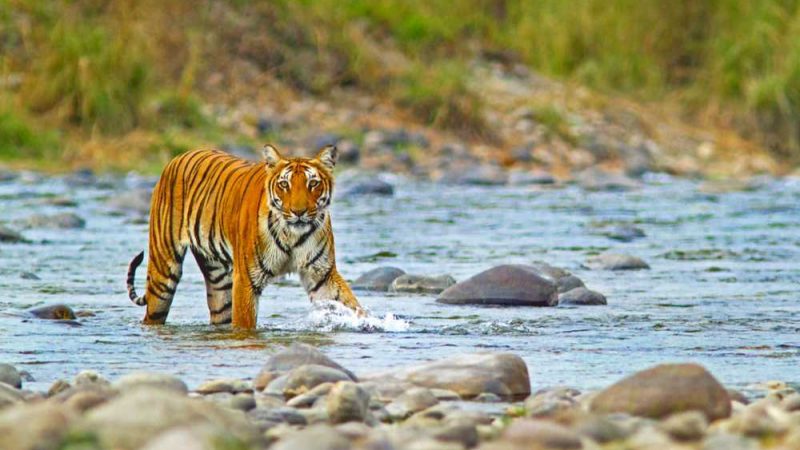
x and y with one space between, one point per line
664 390
292 357
508 285
132 419
502 374
378 279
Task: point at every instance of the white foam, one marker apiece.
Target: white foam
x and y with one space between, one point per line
334 316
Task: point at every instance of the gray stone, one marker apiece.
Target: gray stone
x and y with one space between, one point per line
231 385
7 235
134 201
470 375
481 174
80 178
594 179
267 418
53 312
309 398
462 433
508 285
412 401
601 429
624 232
243 402
372 186
664 390
378 279
10 376
581 296
347 402
421 284
150 380
55 221
317 437
616 261
526 178
304 378
564 280
291 357
686 426
35 426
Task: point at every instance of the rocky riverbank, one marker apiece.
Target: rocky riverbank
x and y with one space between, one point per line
303 400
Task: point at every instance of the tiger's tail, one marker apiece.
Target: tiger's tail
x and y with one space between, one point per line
135 262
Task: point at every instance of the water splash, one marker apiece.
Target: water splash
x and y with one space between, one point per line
333 316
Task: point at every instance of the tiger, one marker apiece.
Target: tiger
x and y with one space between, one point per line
247 224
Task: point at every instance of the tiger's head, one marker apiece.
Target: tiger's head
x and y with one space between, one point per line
300 189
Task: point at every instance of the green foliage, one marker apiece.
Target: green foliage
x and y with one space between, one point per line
21 139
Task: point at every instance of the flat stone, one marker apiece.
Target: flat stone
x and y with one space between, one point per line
616 261
664 390
507 285
10 376
421 284
152 380
582 296
378 279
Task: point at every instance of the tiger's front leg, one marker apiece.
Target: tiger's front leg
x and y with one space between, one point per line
328 284
245 301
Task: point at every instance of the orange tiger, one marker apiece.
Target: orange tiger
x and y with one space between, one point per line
246 223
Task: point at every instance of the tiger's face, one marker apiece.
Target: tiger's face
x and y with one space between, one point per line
300 189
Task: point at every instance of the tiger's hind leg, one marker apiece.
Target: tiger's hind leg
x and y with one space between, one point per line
219 284
164 271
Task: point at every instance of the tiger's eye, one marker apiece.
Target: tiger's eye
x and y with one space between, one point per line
313 183
283 184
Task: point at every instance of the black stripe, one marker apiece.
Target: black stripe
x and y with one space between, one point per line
319 254
306 235
216 280
274 236
224 287
159 315
223 321
222 309
322 281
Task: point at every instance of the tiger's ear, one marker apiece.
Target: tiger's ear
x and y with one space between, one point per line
328 156
271 155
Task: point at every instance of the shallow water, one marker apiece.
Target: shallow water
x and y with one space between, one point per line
723 289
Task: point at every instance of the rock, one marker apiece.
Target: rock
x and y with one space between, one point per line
551 402
29 276
58 387
526 178
90 378
481 175
737 396
84 399
134 201
445 395
10 376
540 434
564 280
150 380
35 426
487 397
203 437
309 398
508 285
291 357
231 385
616 261
243 402
686 426
7 175
304 378
133 418
421 284
53 312
470 375
325 139
581 296
267 418
600 429
378 279
623 233
372 186
664 390
729 442
60 221
316 437
80 178
7 235
412 401
594 179
9 395
64 202
347 402
462 433
349 153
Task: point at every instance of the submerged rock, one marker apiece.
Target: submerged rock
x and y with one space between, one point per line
56 221
421 284
564 280
508 285
479 174
616 261
594 179
582 296
378 279
10 236
53 312
664 390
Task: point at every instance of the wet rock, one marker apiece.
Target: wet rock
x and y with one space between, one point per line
35 426
616 261
60 221
526 178
664 390
231 385
29 276
508 285
134 201
150 380
412 401
481 175
80 178
371 186
133 418
564 280
304 378
347 402
7 175
53 312
594 179
623 233
470 375
291 357
317 437
378 279
581 296
421 284
541 435
64 202
686 426
9 236
10 376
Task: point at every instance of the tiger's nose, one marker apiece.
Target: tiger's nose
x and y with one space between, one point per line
299 212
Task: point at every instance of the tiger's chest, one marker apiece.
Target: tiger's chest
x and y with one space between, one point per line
285 251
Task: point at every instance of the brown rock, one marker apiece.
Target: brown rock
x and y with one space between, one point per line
539 434
663 390
33 426
508 285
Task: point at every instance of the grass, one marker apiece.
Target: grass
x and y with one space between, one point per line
103 70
